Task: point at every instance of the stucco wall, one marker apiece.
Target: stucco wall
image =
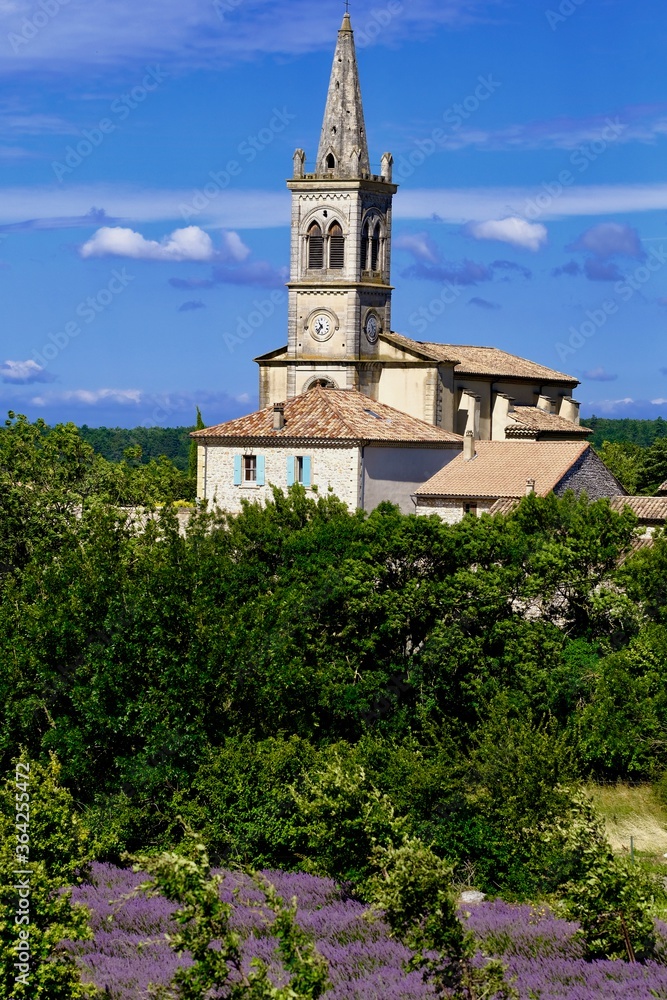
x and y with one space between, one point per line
591 476
335 468
395 473
411 390
272 385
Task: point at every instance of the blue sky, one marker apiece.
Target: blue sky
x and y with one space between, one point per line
144 217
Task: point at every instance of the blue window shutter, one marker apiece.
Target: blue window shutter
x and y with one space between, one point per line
261 470
291 462
237 470
306 471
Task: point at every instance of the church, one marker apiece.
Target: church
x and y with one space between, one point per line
348 405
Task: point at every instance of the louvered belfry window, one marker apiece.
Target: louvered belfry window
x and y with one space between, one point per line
336 247
375 249
365 237
315 247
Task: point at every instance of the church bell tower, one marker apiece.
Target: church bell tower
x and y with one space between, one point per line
339 288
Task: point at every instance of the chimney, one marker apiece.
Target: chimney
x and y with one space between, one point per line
278 416
569 409
544 403
530 487
468 446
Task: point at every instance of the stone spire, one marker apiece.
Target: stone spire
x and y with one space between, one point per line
343 151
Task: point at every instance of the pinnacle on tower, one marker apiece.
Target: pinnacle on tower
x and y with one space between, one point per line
343 151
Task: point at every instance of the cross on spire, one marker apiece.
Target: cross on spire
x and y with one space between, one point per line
347 6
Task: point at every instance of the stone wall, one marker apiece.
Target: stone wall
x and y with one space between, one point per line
451 511
335 468
591 476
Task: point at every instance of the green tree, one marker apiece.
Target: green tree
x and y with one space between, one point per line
654 468
203 918
625 461
412 890
41 837
192 459
611 898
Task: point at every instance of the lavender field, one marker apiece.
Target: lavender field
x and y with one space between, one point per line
541 951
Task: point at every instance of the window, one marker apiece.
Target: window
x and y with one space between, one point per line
470 508
299 470
331 161
375 249
315 247
336 247
365 237
323 383
249 468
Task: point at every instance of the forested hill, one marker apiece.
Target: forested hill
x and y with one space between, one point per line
641 432
112 442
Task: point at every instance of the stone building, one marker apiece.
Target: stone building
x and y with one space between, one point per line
351 406
491 476
326 440
340 296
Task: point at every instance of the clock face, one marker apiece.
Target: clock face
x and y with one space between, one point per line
372 328
322 327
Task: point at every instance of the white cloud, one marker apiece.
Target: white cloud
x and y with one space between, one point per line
201 33
610 239
90 397
420 245
191 243
517 232
233 247
24 372
461 205
629 125
257 209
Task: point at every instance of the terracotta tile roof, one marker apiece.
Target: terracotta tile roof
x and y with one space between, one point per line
647 509
502 468
482 360
505 505
332 415
529 421
429 352
663 490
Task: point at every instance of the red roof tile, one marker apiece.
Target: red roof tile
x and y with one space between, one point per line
332 415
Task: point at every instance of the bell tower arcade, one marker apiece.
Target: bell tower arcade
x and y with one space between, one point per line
340 287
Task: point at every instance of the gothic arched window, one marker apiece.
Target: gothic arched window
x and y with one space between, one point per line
315 247
336 246
375 248
365 237
331 162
